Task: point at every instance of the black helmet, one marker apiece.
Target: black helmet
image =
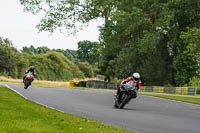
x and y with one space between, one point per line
32 67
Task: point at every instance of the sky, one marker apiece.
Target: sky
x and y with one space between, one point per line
19 27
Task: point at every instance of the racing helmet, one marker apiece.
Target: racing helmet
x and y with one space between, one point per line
32 67
136 76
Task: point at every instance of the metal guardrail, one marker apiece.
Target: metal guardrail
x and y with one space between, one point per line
157 89
171 90
100 84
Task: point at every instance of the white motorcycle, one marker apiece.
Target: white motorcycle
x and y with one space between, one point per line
128 91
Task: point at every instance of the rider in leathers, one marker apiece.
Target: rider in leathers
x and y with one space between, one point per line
32 70
135 78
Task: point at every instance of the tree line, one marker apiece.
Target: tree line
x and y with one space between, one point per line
56 64
160 39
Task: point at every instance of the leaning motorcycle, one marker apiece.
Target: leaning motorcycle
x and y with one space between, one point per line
128 92
28 79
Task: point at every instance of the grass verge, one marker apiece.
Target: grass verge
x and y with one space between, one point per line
183 98
18 115
43 83
36 82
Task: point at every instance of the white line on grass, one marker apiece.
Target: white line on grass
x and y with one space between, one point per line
33 100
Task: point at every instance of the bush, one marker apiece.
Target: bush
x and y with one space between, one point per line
54 66
198 90
195 81
86 68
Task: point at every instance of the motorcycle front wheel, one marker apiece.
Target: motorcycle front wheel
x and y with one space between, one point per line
116 102
27 83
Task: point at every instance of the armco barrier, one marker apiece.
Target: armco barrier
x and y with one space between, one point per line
182 90
82 83
157 89
149 89
170 90
112 86
100 84
192 91
96 84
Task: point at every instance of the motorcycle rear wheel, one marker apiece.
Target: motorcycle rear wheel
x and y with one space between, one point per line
124 101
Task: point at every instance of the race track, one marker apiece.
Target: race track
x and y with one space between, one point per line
144 114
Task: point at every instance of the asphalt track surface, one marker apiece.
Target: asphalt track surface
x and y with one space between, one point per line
144 114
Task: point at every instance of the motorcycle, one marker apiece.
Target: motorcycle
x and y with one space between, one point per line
28 79
128 92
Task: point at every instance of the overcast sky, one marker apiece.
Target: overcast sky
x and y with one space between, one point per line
19 27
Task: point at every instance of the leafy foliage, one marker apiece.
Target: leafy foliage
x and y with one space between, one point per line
86 68
70 54
9 66
159 39
55 66
33 50
148 37
195 81
49 65
88 51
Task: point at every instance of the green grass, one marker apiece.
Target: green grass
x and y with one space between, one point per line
42 83
50 85
183 98
18 115
37 84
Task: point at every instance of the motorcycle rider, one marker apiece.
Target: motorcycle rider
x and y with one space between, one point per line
32 70
136 79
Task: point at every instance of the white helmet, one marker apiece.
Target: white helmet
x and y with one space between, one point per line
136 76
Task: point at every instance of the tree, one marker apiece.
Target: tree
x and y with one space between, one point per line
150 36
49 65
29 50
5 42
86 68
42 50
185 16
8 60
135 24
188 60
88 51
54 66
132 41
33 50
70 54
71 15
